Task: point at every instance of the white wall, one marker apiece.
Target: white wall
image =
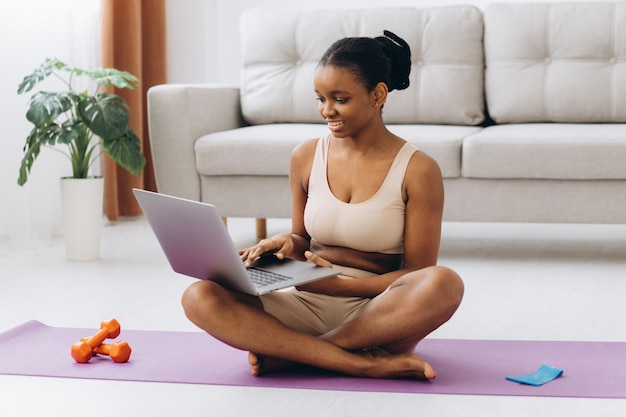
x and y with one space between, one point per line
30 31
191 40
216 57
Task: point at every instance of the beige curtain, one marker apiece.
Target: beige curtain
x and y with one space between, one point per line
133 40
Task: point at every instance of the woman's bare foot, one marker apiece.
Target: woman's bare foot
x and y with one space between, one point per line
405 365
379 364
261 365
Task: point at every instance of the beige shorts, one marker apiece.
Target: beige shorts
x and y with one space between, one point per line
313 313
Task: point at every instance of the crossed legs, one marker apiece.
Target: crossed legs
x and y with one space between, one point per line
411 308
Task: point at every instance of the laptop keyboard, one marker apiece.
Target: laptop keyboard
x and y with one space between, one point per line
263 278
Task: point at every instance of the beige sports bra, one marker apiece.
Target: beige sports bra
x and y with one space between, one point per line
374 225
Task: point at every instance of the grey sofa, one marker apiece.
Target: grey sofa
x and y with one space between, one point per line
522 105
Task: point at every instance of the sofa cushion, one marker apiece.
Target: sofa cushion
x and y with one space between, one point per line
547 151
266 149
253 150
443 143
281 50
556 62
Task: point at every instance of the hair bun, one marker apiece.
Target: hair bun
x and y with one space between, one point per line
399 53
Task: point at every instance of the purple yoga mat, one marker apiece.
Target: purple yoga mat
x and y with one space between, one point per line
473 367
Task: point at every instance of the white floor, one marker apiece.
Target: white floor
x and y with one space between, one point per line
554 282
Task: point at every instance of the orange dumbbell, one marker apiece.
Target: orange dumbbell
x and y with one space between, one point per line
82 351
118 351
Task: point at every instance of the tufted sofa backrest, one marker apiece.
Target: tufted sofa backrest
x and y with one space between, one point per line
281 50
556 62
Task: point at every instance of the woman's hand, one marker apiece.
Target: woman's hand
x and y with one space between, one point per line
330 286
282 246
317 260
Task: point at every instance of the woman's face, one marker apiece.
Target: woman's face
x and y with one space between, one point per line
344 101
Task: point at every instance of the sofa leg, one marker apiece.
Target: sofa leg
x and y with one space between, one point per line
261 229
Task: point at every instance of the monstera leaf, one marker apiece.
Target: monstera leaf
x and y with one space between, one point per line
81 121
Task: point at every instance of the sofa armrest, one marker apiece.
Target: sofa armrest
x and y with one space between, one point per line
177 116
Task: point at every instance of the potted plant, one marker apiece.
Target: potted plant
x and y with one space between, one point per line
88 124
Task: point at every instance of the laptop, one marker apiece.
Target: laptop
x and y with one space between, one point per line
197 244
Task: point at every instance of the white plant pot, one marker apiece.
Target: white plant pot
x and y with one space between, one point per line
82 200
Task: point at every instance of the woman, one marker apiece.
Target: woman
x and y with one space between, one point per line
366 202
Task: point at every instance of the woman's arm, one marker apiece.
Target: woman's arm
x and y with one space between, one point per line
423 185
299 172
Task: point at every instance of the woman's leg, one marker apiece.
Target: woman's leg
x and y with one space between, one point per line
397 320
239 321
412 307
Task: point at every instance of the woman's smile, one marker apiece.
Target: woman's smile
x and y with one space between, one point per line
334 125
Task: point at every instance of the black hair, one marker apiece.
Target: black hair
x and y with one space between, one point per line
384 59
